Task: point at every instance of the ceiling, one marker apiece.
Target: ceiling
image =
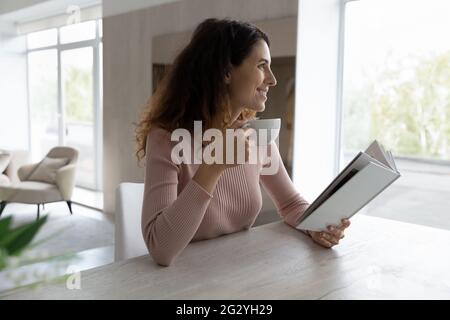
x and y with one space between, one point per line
21 11
39 9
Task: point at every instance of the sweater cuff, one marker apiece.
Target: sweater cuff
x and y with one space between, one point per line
200 189
295 210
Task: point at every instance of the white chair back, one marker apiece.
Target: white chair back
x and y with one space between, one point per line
129 242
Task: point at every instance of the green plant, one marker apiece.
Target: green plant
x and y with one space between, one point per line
13 241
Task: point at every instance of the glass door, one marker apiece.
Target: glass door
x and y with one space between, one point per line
77 87
43 95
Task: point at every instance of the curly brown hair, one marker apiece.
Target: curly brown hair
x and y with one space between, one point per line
194 89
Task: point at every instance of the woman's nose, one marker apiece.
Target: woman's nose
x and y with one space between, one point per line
271 80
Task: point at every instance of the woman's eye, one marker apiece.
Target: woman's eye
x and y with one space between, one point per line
261 66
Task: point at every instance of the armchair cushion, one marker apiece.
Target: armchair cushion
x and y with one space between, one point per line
46 170
4 161
26 170
30 192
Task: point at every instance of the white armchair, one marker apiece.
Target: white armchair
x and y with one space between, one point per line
51 180
14 159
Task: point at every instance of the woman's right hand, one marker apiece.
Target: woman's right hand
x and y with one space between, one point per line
240 137
207 175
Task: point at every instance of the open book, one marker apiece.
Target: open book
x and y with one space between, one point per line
366 176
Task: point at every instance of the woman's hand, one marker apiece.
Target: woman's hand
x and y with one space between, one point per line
207 175
331 237
241 134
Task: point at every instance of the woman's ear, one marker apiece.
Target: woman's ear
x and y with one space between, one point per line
228 78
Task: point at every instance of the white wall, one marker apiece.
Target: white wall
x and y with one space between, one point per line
127 62
7 6
281 32
115 7
316 114
13 92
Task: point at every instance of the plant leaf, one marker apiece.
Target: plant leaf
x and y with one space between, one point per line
3 258
15 240
4 226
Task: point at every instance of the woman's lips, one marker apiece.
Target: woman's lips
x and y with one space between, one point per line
262 92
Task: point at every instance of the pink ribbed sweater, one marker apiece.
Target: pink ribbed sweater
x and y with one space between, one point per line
177 210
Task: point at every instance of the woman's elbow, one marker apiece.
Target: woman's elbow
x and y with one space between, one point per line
161 258
160 255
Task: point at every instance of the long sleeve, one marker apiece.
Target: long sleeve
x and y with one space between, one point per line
290 204
169 221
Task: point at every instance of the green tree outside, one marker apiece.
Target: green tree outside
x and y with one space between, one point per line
405 108
78 94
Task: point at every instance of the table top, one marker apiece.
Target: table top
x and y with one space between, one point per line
378 259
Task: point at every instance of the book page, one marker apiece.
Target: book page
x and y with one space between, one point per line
391 157
388 156
376 151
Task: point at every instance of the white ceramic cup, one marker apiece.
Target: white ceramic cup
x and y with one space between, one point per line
267 130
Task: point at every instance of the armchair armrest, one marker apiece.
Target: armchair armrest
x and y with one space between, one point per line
25 171
18 159
65 180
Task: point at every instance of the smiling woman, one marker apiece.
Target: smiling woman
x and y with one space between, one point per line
221 78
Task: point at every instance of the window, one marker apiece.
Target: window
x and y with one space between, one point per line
397 76
64 90
43 99
77 32
396 89
41 39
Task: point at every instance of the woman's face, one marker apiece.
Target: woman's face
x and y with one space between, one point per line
249 82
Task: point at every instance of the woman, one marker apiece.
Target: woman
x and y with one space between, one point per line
221 78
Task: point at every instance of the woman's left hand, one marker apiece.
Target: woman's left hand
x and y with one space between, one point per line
331 237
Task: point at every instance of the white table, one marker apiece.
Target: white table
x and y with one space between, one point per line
378 259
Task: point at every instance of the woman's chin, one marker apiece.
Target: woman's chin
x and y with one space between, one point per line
258 108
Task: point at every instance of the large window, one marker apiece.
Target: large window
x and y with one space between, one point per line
43 97
396 89
64 81
397 76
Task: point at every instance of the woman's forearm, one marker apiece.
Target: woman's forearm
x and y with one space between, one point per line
169 231
207 176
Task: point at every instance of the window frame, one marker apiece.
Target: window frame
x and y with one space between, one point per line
340 87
